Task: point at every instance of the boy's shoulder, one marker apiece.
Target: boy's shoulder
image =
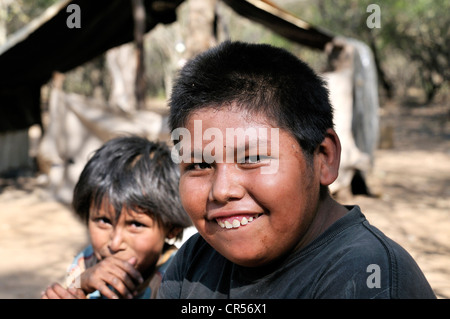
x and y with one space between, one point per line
197 250
360 261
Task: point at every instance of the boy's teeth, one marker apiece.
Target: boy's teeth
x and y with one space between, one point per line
235 223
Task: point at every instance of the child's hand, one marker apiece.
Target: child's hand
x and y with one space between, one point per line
56 291
120 275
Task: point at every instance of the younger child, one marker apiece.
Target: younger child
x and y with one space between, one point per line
128 196
254 129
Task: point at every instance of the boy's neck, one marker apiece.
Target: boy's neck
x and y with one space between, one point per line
328 212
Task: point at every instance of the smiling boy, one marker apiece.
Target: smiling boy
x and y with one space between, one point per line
277 235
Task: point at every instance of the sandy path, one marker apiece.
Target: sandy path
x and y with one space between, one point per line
39 236
38 239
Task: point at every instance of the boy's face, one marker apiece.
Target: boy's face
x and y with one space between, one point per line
132 235
249 217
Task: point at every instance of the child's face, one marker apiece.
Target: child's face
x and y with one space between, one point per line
132 235
249 217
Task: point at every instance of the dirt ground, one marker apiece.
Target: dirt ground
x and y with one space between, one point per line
411 183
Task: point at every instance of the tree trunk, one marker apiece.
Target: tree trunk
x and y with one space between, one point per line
139 31
200 35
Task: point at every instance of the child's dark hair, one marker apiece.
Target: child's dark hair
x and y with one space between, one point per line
258 78
135 173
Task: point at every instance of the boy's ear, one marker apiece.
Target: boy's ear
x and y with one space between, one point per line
329 154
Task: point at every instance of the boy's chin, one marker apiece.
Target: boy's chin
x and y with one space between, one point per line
249 263
245 258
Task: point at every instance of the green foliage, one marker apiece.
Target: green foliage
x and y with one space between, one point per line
413 34
21 12
420 30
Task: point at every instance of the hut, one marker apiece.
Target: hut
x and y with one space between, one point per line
51 43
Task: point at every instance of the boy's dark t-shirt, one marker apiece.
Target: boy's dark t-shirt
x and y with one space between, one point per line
351 259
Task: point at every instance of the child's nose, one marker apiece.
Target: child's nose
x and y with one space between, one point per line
116 241
226 185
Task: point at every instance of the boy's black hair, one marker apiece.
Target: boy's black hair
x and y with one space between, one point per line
132 172
258 78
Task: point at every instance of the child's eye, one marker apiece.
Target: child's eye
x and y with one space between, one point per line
136 224
102 222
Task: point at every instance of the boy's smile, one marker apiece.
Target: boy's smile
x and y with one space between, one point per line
249 217
235 221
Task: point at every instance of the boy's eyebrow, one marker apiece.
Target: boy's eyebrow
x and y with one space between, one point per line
250 144
196 152
240 149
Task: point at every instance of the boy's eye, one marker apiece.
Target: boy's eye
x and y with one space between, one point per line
252 159
255 159
198 166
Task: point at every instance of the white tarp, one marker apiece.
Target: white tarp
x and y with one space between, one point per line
77 127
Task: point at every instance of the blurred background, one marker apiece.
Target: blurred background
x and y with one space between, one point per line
73 74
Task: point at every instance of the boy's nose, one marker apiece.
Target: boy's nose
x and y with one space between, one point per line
226 185
116 242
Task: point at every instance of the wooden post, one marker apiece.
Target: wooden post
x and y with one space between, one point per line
201 27
139 31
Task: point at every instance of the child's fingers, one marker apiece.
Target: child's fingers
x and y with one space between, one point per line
97 279
133 273
56 291
77 293
126 274
108 293
123 283
119 287
132 261
120 275
114 282
122 269
50 293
